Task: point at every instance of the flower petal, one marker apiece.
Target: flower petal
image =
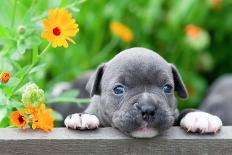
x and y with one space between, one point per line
62 19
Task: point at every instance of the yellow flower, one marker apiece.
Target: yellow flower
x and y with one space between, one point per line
31 110
18 119
59 27
41 118
121 31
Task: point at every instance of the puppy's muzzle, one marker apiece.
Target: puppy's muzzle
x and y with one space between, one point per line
147 107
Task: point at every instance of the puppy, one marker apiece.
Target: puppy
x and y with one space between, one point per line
134 92
219 99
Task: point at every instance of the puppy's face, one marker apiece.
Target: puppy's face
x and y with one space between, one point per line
137 92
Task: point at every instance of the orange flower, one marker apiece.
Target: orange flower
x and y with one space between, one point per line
196 37
18 119
30 110
215 3
5 76
41 118
193 31
121 31
59 27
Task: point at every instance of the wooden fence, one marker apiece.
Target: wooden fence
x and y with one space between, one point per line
110 141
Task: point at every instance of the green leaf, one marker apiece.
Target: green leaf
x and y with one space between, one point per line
5 122
22 71
75 9
5 65
3 99
21 47
3 112
15 64
16 104
29 14
64 100
37 68
57 115
73 93
12 82
4 32
63 3
32 40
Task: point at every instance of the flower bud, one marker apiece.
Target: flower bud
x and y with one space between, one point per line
21 29
5 76
32 95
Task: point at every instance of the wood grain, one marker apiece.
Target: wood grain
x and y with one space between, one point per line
110 141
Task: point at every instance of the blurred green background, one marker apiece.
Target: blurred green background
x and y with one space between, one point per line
195 35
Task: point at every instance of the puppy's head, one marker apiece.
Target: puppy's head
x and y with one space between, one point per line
136 90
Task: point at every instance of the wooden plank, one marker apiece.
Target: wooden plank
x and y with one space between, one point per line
111 141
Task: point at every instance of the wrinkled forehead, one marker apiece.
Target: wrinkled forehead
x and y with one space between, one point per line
139 71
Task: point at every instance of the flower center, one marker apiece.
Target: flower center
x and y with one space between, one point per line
21 120
56 31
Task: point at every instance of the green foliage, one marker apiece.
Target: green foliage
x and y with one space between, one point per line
22 54
156 24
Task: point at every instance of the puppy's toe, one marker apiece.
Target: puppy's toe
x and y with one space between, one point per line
201 122
89 121
81 121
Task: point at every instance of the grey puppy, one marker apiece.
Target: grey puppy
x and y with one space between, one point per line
219 99
134 92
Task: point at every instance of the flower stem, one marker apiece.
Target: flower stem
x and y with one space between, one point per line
20 81
13 14
44 51
28 70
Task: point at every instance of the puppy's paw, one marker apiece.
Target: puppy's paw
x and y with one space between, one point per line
81 121
201 122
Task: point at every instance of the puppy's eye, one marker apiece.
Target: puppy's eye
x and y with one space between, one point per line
167 88
119 90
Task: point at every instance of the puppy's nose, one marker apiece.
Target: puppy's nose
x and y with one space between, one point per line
147 111
146 104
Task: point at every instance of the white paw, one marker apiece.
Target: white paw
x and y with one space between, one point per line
81 121
201 122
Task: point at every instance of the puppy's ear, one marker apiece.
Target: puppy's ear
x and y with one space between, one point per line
93 85
179 84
